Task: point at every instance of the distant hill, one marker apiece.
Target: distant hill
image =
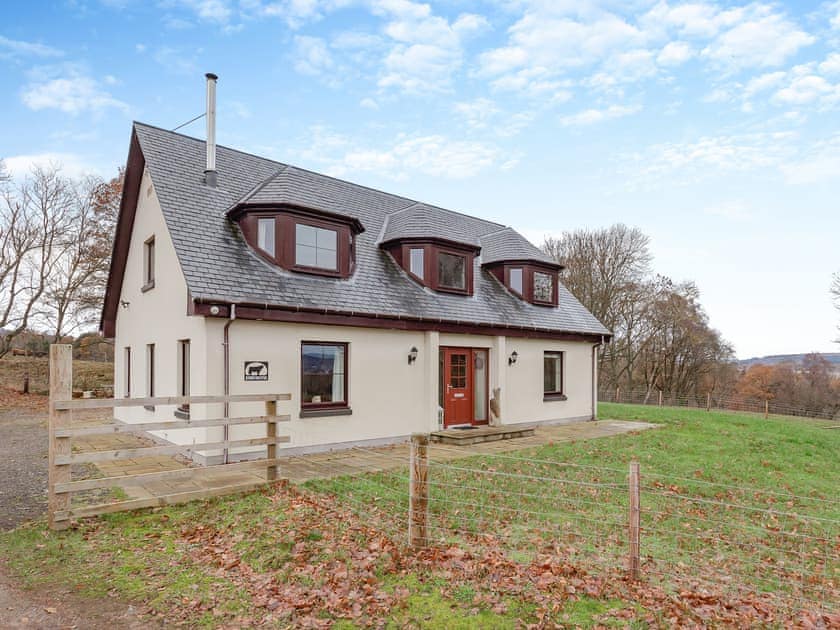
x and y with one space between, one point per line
774 359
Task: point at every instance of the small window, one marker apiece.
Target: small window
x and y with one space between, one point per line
150 373
149 264
184 372
127 369
416 262
324 375
316 247
265 235
515 280
543 287
553 374
452 271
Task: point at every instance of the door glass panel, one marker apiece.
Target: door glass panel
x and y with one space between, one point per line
458 371
480 384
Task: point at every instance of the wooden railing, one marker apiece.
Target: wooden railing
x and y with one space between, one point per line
61 455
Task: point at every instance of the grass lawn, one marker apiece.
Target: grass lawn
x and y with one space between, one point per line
509 549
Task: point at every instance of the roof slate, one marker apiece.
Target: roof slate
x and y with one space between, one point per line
216 260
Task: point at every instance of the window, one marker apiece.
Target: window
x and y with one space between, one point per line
480 385
324 375
150 373
184 373
543 287
416 262
316 247
553 375
148 264
516 280
452 271
127 368
265 235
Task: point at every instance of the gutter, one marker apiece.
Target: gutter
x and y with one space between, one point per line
226 345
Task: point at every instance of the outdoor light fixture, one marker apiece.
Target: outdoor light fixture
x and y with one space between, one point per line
513 357
412 355
124 304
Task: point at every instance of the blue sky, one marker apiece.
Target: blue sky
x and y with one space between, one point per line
713 127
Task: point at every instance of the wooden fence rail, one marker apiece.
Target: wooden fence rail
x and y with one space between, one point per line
61 456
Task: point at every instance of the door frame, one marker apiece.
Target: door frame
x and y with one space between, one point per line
443 376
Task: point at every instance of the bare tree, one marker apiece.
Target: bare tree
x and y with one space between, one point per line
75 290
35 215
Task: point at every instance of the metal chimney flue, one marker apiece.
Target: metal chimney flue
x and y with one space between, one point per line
210 170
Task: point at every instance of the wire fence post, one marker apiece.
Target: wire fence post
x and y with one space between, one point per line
61 388
635 522
766 408
708 401
271 434
418 507
617 394
660 397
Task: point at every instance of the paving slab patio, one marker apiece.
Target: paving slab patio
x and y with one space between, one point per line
303 468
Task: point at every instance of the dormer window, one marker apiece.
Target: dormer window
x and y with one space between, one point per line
515 279
543 287
265 235
441 265
452 271
531 280
301 239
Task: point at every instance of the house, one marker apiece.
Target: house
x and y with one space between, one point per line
381 315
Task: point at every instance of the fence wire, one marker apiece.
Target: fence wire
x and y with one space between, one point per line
697 535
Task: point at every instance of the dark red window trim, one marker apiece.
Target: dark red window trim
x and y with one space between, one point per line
502 269
400 251
558 394
286 218
344 404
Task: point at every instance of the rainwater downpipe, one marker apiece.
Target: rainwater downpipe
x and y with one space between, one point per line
595 376
226 345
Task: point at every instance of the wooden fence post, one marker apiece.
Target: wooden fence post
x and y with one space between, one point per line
61 388
635 521
418 506
708 401
271 432
766 408
617 394
660 397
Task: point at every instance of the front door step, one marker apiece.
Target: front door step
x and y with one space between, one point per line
480 434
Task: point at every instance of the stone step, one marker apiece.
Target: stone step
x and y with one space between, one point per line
465 437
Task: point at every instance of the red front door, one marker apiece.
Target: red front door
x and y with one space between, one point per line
457 386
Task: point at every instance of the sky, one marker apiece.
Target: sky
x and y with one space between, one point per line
714 127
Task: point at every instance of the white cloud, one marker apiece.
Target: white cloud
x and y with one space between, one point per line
312 56
14 47
831 65
67 89
432 154
71 164
218 11
176 60
762 39
369 103
477 113
736 210
592 116
675 53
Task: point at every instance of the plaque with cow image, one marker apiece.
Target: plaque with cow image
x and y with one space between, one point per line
256 370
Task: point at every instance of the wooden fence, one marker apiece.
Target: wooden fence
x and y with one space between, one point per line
62 457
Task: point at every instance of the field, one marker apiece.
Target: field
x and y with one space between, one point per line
519 539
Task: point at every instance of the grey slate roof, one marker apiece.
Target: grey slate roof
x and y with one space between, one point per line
507 244
219 265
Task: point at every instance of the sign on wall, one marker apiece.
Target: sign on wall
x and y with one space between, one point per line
256 370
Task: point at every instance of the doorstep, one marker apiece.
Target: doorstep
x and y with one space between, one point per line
478 435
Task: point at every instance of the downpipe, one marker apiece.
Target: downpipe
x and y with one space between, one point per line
595 377
226 346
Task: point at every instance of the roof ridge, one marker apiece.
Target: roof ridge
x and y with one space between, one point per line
504 229
244 198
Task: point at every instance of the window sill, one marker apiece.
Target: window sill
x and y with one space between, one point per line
149 407
183 414
147 287
326 412
547 397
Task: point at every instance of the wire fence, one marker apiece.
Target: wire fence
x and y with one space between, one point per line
718 402
725 542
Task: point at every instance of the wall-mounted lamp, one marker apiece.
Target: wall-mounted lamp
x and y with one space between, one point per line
513 357
125 304
412 355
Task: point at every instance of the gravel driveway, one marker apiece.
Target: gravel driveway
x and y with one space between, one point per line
23 468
